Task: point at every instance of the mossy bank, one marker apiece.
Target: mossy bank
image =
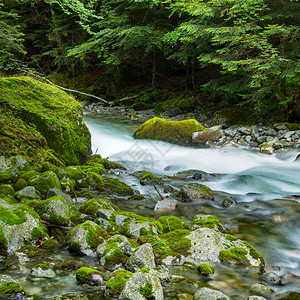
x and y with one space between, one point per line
41 122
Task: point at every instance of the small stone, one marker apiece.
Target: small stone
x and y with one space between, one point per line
165 206
229 201
272 278
261 289
209 294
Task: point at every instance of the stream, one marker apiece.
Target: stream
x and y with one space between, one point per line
265 186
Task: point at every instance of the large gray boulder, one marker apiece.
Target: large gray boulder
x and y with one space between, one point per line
141 286
143 257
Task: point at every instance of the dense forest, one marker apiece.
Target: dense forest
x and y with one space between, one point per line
217 53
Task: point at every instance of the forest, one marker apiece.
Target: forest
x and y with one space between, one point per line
241 55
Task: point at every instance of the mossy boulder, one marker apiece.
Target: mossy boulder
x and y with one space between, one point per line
116 283
90 276
176 132
195 192
134 226
55 210
28 193
12 290
12 168
35 116
208 221
148 178
6 189
115 186
17 224
84 238
44 182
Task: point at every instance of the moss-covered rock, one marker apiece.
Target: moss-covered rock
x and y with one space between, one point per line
205 269
84 238
44 182
148 179
90 276
55 210
115 186
209 221
12 289
17 222
171 223
176 132
6 189
35 115
116 283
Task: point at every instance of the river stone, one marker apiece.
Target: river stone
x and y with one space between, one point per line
272 278
16 225
260 289
28 193
84 238
163 273
4 164
171 189
206 136
56 192
40 273
143 257
70 297
138 283
229 201
5 278
270 146
165 206
256 298
195 191
209 294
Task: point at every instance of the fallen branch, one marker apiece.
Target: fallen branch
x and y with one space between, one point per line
158 192
57 226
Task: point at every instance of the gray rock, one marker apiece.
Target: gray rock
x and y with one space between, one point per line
163 273
261 289
229 201
196 191
4 277
138 283
28 192
70 297
143 257
56 192
256 298
261 139
4 164
245 130
272 278
209 294
165 206
205 136
40 273
171 189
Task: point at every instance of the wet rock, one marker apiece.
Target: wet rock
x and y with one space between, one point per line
184 297
28 193
116 187
162 272
165 206
42 271
272 278
229 202
141 286
90 276
143 257
76 296
208 221
205 270
209 294
171 189
196 191
148 178
256 298
12 290
290 278
85 238
287 296
171 223
261 289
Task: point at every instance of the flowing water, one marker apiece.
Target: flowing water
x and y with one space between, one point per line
266 187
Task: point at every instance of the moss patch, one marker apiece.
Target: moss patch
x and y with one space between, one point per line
208 222
84 274
115 186
171 223
11 288
235 254
147 290
116 282
205 269
177 132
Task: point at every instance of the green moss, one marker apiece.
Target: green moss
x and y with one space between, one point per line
45 181
84 274
29 174
50 244
20 184
145 270
116 282
11 288
33 252
290 126
149 178
230 237
49 114
177 132
146 291
85 193
3 242
95 236
92 206
136 197
39 233
208 222
15 215
254 253
6 189
171 223
205 270
115 186
236 254
42 266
